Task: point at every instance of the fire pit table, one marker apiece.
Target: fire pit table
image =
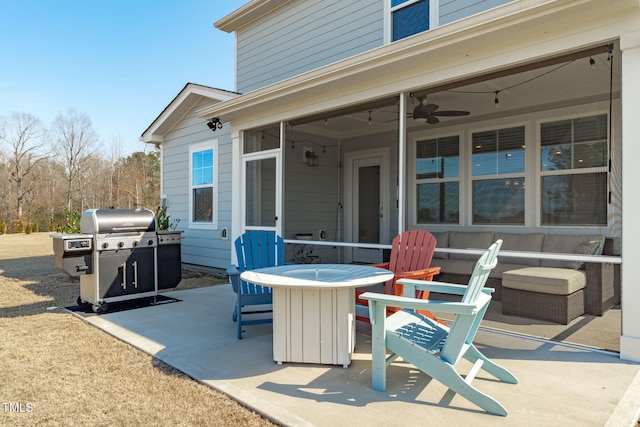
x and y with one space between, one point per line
314 309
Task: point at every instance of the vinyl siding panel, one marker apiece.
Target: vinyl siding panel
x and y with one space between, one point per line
453 10
302 36
202 247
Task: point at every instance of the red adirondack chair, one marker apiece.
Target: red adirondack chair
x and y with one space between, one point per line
411 254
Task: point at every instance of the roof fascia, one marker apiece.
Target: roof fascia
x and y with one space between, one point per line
247 14
191 93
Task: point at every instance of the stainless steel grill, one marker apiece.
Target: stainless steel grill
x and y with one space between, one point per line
119 255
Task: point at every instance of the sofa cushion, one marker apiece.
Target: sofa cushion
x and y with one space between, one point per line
443 242
469 240
527 242
563 243
503 266
556 281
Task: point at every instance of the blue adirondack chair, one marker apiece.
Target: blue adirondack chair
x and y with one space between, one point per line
433 347
254 249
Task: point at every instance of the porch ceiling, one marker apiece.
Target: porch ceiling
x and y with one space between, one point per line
570 82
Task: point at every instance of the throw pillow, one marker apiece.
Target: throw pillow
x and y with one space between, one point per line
585 248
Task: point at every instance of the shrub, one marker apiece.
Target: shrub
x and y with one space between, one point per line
164 220
19 226
72 224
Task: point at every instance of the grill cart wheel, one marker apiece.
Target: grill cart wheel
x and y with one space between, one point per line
100 307
82 303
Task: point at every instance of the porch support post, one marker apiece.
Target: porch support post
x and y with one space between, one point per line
237 195
402 149
630 97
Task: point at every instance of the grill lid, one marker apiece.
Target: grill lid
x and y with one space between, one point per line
117 221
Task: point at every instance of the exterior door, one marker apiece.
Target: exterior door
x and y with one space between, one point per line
262 178
366 196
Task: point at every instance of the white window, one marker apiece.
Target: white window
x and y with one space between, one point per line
203 189
498 172
573 169
438 180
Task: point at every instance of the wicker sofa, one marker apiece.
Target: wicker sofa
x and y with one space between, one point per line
540 288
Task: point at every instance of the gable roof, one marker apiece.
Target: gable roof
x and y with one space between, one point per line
186 99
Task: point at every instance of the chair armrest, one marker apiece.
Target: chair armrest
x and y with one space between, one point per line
419 304
440 287
234 277
426 274
381 265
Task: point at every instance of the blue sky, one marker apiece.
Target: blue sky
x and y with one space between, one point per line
118 61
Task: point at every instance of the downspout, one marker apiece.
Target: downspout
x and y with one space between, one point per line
402 138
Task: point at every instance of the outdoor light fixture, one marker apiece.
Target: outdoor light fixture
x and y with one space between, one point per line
312 158
214 124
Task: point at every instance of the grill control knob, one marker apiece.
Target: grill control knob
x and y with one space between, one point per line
105 245
120 244
135 243
150 242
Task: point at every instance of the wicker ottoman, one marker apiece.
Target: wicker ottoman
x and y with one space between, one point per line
554 294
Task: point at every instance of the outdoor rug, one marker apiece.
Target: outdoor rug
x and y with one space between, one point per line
114 307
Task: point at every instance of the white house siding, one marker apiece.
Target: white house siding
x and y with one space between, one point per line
202 247
453 10
305 35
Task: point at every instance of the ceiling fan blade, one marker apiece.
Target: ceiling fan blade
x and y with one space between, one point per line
451 113
432 120
430 108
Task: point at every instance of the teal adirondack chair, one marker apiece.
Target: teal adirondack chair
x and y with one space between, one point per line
254 249
430 346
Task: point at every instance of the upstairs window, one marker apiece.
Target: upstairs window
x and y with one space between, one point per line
408 17
203 194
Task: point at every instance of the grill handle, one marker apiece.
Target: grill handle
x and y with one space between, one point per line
135 274
124 275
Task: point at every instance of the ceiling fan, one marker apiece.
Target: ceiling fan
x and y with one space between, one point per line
429 112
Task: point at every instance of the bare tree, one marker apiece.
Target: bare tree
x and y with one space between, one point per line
76 141
25 137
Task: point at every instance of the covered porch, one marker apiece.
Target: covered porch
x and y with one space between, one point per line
461 128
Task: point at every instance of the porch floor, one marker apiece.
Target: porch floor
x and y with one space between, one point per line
560 385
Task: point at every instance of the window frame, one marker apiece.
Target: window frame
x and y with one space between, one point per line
195 148
434 13
540 174
471 178
415 181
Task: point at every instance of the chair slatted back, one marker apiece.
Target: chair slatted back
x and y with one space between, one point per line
464 327
410 251
258 249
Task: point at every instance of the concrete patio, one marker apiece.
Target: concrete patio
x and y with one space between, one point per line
560 385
